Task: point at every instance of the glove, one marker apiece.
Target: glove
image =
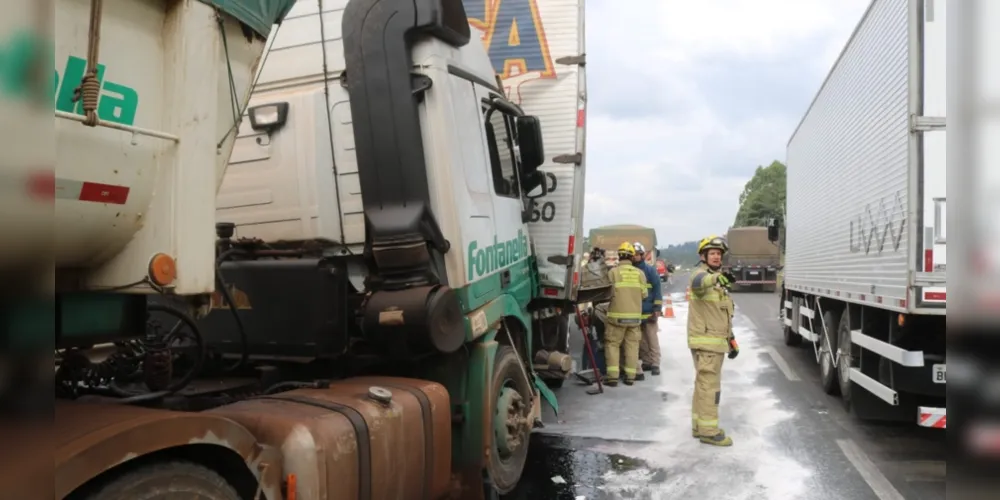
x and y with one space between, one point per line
734 348
726 280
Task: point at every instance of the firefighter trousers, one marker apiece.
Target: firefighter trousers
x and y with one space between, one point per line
649 347
707 392
625 338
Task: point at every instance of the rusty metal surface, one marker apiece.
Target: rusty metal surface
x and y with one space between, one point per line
382 454
750 243
90 438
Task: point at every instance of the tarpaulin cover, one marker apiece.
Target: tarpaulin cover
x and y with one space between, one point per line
259 15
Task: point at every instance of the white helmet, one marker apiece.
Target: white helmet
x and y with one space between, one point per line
639 248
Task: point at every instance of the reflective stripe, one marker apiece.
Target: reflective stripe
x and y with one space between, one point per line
658 302
707 423
626 284
708 341
697 279
629 371
618 315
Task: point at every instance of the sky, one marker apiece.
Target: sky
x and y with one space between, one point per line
686 98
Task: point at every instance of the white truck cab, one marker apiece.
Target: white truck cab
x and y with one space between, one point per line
459 166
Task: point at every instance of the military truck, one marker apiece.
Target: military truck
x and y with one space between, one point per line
752 259
610 237
362 324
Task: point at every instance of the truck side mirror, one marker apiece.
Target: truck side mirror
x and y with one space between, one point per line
532 181
772 230
529 142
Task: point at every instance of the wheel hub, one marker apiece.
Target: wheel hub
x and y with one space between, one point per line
509 422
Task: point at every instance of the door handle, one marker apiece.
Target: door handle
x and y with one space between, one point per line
504 278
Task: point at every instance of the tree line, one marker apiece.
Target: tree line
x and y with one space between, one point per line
763 197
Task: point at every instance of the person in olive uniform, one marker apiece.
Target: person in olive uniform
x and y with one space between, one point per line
624 317
709 329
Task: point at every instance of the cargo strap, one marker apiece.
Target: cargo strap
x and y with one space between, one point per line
360 428
425 415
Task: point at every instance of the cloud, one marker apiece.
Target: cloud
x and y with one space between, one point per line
686 99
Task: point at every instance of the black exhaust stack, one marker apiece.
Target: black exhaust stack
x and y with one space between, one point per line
404 246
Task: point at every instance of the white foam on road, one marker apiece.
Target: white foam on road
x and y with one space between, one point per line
754 468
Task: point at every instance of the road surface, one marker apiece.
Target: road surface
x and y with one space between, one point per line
792 441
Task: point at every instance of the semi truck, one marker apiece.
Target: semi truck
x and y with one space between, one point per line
610 237
302 264
752 258
865 265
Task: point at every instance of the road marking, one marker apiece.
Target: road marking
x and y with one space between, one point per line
879 484
782 364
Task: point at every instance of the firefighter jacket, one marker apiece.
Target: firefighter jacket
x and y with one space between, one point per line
654 296
628 292
710 312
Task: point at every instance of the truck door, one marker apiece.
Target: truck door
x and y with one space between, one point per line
933 172
537 49
510 243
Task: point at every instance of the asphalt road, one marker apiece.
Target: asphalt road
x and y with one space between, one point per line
792 441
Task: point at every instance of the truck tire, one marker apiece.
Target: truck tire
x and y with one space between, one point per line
846 361
790 333
831 333
167 481
506 462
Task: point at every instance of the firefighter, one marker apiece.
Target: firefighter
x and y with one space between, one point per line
624 317
710 314
649 345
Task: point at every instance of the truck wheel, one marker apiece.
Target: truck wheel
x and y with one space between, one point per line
792 337
845 349
167 480
828 348
511 425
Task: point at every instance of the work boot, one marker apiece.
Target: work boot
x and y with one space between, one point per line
720 439
647 367
654 370
694 433
640 376
611 382
629 381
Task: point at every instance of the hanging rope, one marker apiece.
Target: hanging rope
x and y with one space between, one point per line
89 90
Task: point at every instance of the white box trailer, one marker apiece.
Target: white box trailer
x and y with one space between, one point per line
865 268
536 47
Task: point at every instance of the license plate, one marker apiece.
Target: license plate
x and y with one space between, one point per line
754 273
939 374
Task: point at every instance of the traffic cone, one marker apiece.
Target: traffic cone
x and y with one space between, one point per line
668 308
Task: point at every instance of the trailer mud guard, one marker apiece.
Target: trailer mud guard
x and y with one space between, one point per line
95 438
399 224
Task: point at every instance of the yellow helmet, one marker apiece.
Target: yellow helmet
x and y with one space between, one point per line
711 242
626 249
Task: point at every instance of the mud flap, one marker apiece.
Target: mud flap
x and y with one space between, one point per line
547 394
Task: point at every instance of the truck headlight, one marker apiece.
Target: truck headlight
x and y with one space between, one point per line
268 117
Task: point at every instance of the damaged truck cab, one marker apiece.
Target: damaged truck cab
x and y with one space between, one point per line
377 323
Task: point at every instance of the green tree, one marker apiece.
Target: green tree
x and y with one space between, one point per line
683 254
763 196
